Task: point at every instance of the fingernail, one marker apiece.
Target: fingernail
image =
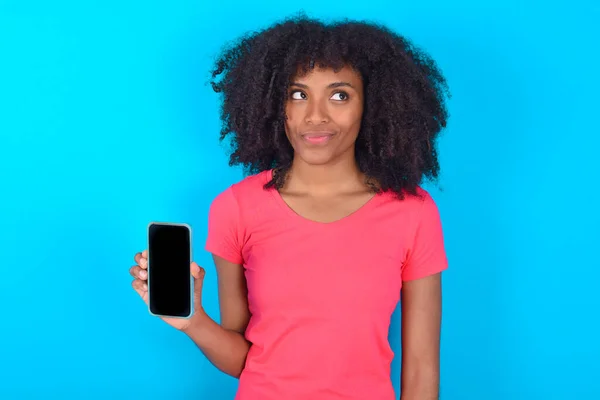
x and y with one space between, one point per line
143 274
145 286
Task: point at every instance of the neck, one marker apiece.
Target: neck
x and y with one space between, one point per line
340 175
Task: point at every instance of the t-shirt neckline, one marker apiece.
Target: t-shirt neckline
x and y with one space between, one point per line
293 214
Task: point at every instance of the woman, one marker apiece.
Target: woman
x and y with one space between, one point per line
336 125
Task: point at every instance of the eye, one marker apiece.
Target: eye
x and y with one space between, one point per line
340 96
298 95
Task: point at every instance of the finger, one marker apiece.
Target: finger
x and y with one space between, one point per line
198 274
141 259
139 284
137 272
143 263
140 287
197 271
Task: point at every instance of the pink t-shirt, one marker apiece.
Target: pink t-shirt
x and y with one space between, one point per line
321 294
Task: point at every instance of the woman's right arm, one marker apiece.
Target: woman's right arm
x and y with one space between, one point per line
224 344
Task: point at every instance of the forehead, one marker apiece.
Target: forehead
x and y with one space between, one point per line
326 76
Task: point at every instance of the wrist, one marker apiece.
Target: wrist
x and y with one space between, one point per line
199 320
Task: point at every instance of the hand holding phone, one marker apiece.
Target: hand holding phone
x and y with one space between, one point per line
166 278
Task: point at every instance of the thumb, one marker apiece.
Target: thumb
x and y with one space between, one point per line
198 274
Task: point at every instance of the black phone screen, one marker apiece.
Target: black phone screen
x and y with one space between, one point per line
169 279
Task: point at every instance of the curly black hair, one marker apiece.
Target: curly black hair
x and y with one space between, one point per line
404 104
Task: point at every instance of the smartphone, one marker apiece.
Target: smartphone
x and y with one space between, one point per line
170 282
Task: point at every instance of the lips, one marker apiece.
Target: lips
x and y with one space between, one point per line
317 137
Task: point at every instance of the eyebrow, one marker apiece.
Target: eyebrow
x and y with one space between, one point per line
331 85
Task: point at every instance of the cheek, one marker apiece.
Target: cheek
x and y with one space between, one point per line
291 111
290 118
351 121
289 126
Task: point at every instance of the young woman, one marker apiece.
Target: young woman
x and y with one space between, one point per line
336 125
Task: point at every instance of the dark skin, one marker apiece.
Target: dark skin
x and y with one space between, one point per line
324 183
324 111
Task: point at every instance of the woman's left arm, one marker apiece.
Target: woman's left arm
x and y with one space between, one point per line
421 320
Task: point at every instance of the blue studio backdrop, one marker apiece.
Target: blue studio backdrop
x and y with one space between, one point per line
107 123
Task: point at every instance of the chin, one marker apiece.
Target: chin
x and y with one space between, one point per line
316 158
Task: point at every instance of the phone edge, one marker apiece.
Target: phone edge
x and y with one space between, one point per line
189 228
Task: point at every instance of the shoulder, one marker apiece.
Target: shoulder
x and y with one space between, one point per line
424 215
243 194
251 186
425 202
229 214
412 213
417 203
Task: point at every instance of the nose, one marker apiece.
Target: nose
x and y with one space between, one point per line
316 112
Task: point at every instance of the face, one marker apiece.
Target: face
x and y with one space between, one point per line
324 112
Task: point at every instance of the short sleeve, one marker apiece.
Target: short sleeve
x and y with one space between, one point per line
223 237
427 255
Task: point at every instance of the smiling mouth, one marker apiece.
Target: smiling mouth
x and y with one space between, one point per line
317 137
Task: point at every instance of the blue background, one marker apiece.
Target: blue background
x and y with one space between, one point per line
106 123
